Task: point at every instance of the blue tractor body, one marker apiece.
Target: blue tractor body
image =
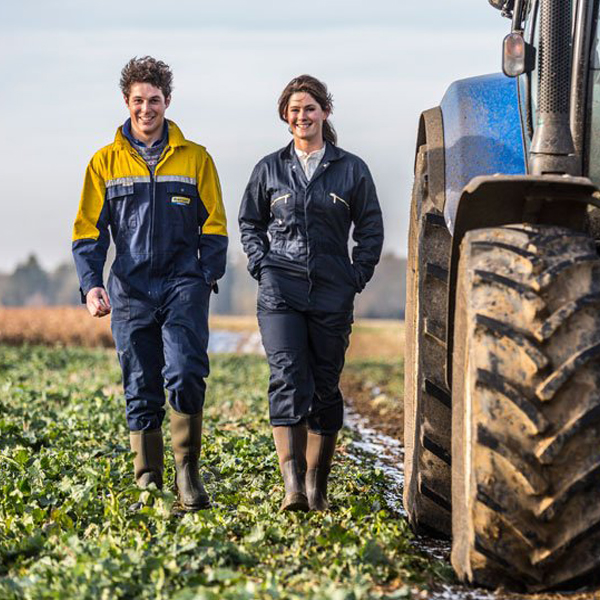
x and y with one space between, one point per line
482 132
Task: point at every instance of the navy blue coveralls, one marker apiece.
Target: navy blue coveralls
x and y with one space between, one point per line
295 233
169 231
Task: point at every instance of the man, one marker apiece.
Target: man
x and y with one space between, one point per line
160 196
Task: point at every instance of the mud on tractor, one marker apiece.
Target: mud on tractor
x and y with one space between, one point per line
502 408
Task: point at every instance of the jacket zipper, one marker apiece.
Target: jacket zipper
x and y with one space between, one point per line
320 170
153 197
335 198
152 214
284 198
152 174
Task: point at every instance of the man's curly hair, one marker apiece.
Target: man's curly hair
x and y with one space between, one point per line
146 70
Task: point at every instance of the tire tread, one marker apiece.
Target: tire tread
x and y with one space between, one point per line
531 377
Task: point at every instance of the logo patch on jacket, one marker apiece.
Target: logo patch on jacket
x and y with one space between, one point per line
181 200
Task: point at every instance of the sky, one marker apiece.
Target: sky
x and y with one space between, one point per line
384 61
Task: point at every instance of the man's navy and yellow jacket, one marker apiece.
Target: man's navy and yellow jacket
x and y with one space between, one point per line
167 225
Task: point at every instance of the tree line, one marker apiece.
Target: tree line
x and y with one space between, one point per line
32 285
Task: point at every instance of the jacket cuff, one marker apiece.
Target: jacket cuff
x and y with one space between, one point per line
360 278
211 280
84 289
254 270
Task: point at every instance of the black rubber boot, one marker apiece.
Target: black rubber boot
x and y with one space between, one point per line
319 455
290 443
186 435
148 461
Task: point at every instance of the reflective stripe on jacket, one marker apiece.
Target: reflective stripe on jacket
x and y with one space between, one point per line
290 222
168 224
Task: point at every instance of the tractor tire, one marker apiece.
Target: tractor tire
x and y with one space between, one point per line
427 409
526 408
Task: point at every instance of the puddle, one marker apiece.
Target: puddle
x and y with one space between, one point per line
252 344
240 342
220 341
453 592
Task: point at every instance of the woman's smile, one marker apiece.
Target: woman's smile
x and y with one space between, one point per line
305 118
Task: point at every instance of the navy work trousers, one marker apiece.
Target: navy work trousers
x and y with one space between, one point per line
305 350
162 343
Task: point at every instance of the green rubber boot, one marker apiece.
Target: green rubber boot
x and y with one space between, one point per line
148 461
186 436
290 443
319 455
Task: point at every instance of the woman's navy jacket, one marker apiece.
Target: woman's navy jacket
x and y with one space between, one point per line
302 226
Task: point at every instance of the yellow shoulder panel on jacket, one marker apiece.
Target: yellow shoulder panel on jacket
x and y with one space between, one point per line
111 163
209 188
91 203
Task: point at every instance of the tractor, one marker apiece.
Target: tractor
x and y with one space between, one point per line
502 401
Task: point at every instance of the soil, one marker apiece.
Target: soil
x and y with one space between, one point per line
380 412
376 339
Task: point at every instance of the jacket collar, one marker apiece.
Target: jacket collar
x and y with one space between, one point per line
162 141
175 137
331 152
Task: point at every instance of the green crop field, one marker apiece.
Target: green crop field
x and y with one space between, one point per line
66 530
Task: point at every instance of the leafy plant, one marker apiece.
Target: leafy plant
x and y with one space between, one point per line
66 487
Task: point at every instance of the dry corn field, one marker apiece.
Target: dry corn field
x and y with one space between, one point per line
72 326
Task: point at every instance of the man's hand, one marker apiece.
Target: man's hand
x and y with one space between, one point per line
97 302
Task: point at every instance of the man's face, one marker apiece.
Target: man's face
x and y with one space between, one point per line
147 105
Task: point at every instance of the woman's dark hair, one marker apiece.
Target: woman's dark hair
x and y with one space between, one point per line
318 90
146 70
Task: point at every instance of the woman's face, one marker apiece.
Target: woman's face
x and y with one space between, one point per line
305 118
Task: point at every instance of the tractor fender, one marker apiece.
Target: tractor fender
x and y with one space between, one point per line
483 135
431 132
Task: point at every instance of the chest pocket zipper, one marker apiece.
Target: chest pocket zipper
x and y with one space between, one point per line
284 198
336 198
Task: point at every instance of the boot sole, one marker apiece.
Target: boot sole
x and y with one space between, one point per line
297 502
195 507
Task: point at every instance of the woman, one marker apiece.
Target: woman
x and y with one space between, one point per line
295 221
